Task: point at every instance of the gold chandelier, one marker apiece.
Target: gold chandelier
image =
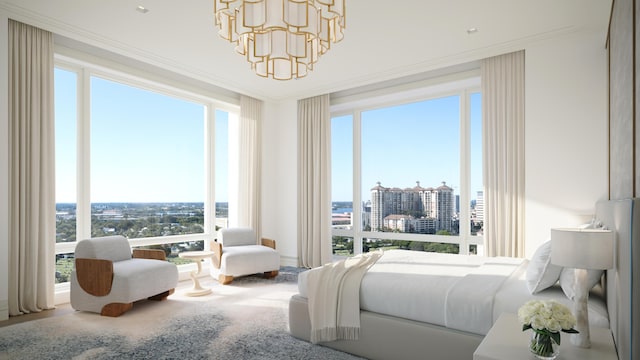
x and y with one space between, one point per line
281 39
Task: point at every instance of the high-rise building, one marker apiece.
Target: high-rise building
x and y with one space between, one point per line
480 206
445 207
424 210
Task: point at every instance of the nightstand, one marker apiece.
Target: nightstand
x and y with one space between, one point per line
506 341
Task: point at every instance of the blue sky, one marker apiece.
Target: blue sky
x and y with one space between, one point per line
407 143
148 147
145 146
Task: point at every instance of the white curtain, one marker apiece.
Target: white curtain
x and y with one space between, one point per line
503 153
314 182
249 178
32 232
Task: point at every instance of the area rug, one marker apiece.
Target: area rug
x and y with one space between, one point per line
247 319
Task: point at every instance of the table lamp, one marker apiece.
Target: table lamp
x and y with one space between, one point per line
582 249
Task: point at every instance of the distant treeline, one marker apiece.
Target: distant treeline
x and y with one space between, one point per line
136 220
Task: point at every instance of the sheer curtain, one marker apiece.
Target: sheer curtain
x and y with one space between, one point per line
314 187
32 232
249 163
503 152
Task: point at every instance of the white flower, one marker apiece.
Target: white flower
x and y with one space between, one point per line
546 315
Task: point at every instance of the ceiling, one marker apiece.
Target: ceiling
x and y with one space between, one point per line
383 40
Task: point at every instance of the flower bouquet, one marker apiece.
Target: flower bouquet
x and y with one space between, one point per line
546 318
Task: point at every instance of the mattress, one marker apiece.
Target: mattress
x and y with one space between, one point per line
462 292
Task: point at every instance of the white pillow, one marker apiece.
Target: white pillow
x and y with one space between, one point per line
567 278
541 273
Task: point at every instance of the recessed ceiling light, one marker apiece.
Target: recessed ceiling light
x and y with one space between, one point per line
472 31
142 9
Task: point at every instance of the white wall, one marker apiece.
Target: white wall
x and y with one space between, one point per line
4 169
279 178
566 147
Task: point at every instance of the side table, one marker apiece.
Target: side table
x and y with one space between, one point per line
197 257
506 341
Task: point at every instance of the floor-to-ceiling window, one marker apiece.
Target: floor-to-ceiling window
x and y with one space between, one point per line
407 170
138 159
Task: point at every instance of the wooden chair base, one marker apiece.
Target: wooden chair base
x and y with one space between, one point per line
225 279
115 309
162 296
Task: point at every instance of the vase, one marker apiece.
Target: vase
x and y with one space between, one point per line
543 346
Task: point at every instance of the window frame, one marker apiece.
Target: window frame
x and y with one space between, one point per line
462 84
85 70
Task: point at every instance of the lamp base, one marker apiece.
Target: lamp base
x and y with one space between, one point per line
581 310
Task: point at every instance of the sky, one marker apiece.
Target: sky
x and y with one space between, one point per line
149 147
407 143
145 146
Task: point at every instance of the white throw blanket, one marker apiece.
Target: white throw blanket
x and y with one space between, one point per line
334 297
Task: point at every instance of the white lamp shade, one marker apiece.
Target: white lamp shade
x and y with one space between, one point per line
582 248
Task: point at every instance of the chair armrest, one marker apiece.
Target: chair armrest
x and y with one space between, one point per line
154 254
269 243
94 275
216 247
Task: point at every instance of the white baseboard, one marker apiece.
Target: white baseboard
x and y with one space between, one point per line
288 260
63 294
4 310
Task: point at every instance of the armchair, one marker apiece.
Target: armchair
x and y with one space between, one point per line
237 253
107 279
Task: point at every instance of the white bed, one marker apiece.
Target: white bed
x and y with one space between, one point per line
415 305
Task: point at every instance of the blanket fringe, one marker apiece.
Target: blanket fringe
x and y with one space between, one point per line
348 333
332 334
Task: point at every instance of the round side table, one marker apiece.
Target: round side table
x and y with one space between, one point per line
197 256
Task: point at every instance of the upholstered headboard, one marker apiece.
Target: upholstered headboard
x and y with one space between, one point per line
623 288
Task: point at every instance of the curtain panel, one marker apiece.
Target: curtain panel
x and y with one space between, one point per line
250 164
503 105
314 182
32 232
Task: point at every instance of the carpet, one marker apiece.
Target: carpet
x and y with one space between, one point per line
247 319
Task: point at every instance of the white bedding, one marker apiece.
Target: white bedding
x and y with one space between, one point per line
514 293
461 292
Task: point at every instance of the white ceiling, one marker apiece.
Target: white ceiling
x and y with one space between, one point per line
383 40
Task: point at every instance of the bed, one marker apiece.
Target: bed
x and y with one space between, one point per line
402 328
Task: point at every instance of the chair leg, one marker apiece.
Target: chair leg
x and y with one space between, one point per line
162 295
115 309
271 274
225 279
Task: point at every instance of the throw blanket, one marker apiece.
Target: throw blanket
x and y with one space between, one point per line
334 298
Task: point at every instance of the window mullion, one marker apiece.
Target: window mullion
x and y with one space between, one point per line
83 205
210 178
357 184
464 221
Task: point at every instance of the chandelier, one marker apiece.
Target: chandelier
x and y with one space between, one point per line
281 39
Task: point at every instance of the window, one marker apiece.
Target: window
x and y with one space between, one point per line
222 170
66 158
408 174
342 173
147 162
136 158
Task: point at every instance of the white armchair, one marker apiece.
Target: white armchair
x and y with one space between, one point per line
238 253
106 278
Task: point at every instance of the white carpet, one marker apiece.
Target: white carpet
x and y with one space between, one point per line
245 320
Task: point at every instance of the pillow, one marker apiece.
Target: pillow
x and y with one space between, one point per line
541 273
567 276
